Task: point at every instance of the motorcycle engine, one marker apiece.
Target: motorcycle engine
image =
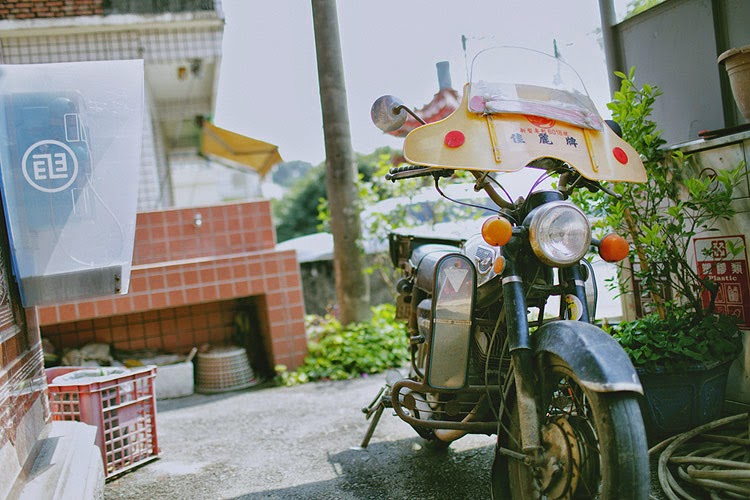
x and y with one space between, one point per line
485 350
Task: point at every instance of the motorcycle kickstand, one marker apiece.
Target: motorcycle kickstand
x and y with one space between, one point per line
374 410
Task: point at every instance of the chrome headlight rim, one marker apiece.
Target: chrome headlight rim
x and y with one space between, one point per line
536 235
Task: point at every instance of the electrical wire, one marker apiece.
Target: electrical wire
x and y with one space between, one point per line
471 205
505 191
546 175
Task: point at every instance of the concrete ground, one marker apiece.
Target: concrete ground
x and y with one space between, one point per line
296 443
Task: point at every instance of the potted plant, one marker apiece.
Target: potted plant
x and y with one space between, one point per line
682 335
737 63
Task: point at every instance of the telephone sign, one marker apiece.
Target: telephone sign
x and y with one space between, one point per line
50 166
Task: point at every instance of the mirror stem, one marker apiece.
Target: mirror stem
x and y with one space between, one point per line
402 106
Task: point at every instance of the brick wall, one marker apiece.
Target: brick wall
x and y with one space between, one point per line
23 409
174 329
170 235
30 9
189 272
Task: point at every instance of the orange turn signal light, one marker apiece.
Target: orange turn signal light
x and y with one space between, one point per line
614 248
499 265
497 231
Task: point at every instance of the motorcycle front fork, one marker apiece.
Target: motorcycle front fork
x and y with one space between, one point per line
526 381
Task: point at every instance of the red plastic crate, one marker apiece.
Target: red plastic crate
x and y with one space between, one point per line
121 406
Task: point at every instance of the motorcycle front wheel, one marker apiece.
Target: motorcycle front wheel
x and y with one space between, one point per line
594 445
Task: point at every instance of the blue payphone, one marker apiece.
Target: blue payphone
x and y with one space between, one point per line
70 198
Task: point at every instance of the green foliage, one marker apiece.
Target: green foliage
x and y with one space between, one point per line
661 217
288 173
338 352
304 210
296 213
676 203
678 342
637 6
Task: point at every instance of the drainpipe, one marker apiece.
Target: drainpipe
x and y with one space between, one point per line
608 20
611 54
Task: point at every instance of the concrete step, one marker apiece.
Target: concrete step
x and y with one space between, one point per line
67 466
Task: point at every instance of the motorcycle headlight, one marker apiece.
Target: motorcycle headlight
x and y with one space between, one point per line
560 234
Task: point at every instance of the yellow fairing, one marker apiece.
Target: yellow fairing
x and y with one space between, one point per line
509 142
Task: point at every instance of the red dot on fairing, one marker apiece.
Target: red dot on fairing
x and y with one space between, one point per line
454 139
620 155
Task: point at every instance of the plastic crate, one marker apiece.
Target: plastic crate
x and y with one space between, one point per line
121 405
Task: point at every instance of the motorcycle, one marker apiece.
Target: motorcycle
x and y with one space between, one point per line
486 356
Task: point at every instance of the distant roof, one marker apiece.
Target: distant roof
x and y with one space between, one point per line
310 248
442 104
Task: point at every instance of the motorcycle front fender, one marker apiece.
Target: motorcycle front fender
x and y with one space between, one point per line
593 355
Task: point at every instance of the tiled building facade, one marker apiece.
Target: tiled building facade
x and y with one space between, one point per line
28 9
194 269
188 283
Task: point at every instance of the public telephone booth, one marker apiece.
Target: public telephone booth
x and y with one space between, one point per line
70 150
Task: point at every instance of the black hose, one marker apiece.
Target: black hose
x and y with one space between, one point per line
719 465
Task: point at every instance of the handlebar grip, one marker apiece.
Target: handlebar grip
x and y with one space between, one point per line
411 171
405 168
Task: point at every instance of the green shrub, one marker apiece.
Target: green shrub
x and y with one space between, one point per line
339 353
678 342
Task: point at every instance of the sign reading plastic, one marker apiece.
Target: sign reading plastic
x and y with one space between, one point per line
716 262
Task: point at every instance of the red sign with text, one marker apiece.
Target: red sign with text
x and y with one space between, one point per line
715 261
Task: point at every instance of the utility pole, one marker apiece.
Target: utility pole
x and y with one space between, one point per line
352 287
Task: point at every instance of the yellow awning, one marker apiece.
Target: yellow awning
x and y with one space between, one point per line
238 149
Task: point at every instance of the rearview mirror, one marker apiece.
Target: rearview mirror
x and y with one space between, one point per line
387 113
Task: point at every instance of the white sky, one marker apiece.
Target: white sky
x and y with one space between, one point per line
268 85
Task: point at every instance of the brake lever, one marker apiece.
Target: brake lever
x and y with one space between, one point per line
593 186
604 189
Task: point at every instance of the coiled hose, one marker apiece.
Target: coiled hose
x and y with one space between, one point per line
710 461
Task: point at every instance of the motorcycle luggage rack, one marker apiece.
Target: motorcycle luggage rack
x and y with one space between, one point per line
400 246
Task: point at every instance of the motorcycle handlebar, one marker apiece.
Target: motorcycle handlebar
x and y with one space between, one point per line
411 171
491 192
608 191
